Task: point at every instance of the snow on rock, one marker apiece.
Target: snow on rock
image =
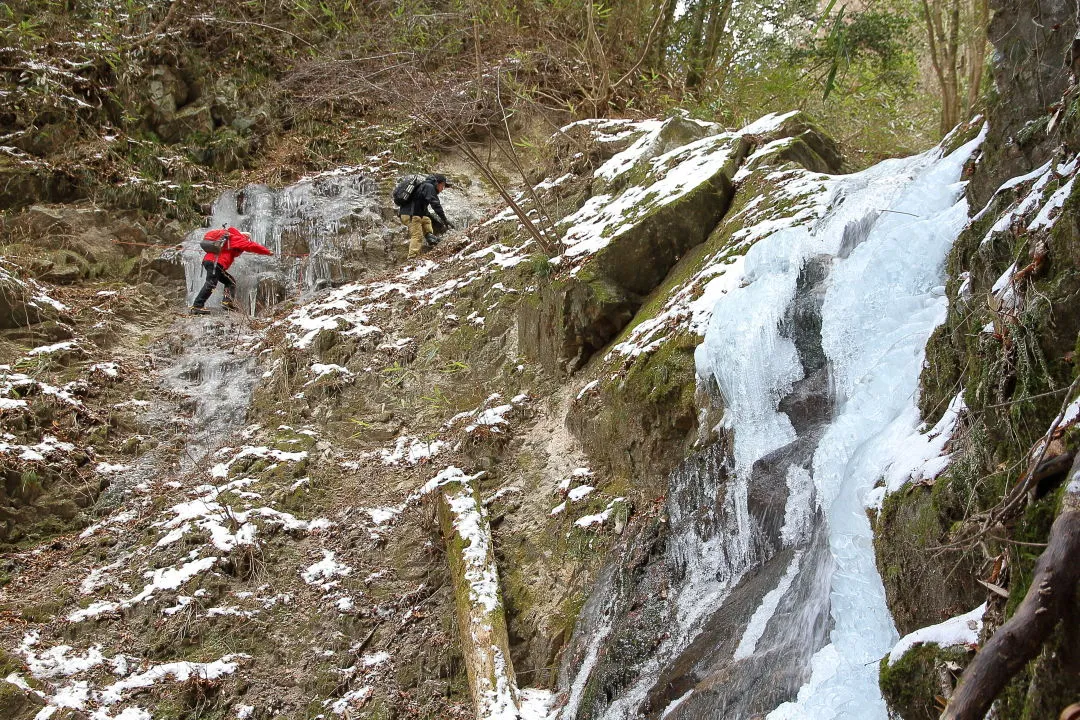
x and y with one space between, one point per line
411 451
228 526
221 470
492 419
373 659
1042 177
449 474
676 173
21 385
324 572
502 256
177 671
586 388
579 492
353 699
98 577
922 456
1049 212
601 517
50 349
49 448
169 578
669 177
962 630
320 370
60 661
57 661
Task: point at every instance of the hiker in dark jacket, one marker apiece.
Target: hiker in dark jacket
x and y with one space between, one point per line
216 265
414 214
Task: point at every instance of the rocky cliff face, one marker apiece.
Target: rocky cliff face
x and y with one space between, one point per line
999 383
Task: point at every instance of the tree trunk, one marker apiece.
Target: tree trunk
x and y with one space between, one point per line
695 46
980 13
1048 601
478 602
943 44
658 49
718 20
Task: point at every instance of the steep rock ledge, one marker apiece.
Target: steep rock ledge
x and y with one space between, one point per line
652 204
954 531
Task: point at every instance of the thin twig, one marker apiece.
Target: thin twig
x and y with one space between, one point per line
211 18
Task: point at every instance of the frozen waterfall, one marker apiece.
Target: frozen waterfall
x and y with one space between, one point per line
883 297
761 596
310 226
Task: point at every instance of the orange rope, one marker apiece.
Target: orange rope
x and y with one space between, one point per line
149 245
165 247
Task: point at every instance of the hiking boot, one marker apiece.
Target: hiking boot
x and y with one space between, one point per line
431 240
196 310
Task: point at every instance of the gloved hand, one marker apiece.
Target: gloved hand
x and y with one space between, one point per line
449 225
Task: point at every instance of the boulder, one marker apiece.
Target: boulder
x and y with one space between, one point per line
187 121
26 181
165 92
640 233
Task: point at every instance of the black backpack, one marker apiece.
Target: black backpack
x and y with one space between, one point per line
215 246
406 188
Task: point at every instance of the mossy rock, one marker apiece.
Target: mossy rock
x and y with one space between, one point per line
18 704
922 587
580 314
22 185
912 685
639 422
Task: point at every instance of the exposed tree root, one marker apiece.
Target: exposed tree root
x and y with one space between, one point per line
1018 641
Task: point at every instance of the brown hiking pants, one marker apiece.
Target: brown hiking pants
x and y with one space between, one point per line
419 225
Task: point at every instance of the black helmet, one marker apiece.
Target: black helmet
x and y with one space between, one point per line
438 178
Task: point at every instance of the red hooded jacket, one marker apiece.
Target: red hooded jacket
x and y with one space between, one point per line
238 243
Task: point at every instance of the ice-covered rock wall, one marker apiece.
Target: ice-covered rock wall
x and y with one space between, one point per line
313 228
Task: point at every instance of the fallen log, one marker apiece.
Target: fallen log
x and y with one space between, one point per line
477 599
1020 639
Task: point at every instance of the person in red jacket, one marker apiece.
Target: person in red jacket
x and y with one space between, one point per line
217 265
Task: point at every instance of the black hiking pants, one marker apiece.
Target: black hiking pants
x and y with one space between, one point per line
214 275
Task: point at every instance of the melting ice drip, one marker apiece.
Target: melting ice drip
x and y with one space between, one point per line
878 254
304 224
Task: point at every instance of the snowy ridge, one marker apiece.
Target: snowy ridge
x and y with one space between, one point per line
669 177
